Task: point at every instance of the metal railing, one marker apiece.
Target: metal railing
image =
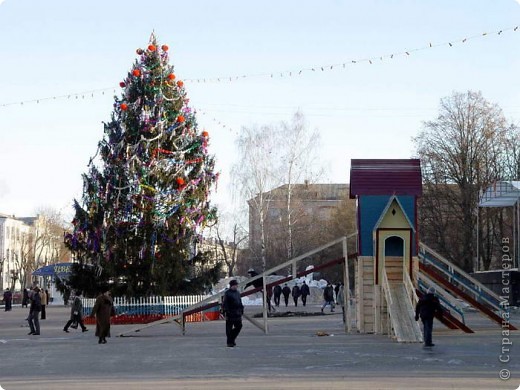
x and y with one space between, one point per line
459 277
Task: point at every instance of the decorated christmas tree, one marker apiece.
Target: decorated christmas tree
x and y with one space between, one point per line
146 193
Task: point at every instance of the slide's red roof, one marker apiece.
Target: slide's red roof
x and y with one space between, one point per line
385 177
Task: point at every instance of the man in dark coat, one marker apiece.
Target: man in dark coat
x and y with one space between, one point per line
277 292
25 299
304 291
34 312
328 298
426 309
103 309
233 309
8 300
286 291
295 294
76 315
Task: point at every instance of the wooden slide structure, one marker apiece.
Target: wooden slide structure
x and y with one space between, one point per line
448 279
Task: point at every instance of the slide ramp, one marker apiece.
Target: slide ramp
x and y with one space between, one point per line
402 315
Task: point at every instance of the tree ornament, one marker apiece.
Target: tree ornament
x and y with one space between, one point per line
136 72
205 134
139 51
180 181
124 106
180 84
164 47
171 76
180 119
151 47
122 84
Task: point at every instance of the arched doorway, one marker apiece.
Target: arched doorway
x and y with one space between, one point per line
394 259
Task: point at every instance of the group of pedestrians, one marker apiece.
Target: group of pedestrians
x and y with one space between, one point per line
37 299
103 309
296 292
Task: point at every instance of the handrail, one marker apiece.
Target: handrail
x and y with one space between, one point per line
460 276
389 302
386 288
296 259
410 289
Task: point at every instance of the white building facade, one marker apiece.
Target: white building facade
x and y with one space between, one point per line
15 246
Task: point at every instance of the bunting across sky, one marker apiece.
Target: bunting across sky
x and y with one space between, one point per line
286 73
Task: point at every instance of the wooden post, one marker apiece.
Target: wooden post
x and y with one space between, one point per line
346 288
183 324
266 330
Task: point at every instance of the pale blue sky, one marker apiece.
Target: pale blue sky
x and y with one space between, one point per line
51 48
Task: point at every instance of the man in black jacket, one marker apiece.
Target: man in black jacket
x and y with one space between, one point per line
233 310
304 291
34 312
426 308
328 297
286 291
277 292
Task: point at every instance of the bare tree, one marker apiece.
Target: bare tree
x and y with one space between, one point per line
511 153
49 227
299 163
255 173
461 155
230 248
24 263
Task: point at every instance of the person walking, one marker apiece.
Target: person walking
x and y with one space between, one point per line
103 309
76 315
426 309
25 298
305 292
43 298
233 310
328 298
295 294
286 291
336 291
34 312
8 300
277 292
49 298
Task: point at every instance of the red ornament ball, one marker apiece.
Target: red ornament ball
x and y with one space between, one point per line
171 76
180 119
180 84
205 134
180 181
151 47
139 51
164 47
122 84
136 72
124 106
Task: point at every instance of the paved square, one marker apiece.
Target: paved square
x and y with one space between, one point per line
291 356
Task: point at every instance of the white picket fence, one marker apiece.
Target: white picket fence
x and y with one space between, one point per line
168 306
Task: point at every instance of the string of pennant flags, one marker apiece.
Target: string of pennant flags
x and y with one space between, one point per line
281 74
